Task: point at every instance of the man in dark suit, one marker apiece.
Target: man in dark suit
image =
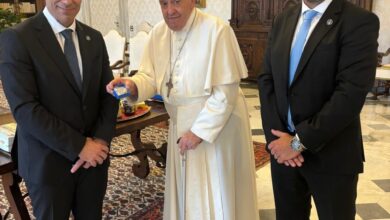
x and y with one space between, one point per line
55 87
312 89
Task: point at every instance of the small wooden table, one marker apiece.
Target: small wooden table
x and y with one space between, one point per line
382 80
144 150
11 181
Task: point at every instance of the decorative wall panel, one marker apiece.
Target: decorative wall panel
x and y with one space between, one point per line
251 22
104 14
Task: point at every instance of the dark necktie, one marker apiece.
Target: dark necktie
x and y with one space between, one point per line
71 56
296 53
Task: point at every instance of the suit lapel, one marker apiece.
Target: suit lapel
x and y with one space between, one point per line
326 23
289 26
50 44
85 43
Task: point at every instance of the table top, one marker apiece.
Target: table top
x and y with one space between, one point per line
156 114
6 164
382 73
5 116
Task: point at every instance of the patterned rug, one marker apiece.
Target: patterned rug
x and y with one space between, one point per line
129 197
153 212
261 155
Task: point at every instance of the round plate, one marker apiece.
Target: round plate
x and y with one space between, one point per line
140 110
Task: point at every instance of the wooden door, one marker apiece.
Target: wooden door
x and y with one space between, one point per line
367 4
40 5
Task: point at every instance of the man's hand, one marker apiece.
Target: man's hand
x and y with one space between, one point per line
295 162
188 141
78 164
101 141
282 152
94 152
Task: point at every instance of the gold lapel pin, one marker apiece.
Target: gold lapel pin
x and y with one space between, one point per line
329 22
88 38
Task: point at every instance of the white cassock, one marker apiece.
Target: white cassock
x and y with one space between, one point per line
206 99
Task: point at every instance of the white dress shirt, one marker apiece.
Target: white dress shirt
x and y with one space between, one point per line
57 29
321 8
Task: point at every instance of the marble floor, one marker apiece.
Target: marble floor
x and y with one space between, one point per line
373 201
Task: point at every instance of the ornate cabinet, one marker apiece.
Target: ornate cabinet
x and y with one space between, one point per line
26 8
40 4
251 21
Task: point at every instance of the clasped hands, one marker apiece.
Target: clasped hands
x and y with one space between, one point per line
282 151
94 152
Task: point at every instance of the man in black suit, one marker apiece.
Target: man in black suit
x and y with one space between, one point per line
55 87
310 111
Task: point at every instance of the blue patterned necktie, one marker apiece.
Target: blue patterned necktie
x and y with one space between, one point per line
296 53
71 56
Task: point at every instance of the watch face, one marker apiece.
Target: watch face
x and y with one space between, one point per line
295 144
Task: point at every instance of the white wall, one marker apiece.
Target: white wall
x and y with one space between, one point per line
143 10
103 14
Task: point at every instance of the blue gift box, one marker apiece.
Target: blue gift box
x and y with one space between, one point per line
120 91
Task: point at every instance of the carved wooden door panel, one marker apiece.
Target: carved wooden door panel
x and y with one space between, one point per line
251 21
367 4
40 5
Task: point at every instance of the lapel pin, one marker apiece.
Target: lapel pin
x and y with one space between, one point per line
329 22
88 38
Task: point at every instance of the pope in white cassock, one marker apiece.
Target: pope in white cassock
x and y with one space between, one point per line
193 60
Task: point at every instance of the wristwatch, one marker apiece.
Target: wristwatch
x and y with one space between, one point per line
296 144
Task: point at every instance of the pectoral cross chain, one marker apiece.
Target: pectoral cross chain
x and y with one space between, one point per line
169 85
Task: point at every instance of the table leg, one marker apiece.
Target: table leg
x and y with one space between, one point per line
142 169
387 87
14 196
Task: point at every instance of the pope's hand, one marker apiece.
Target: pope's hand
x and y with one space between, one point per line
188 141
129 84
